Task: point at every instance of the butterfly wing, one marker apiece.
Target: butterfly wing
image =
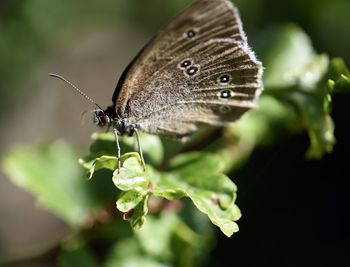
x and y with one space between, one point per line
198 69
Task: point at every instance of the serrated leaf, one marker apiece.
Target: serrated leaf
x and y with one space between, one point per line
130 178
219 206
193 175
196 175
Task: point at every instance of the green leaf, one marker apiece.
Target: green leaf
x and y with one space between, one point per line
197 176
104 162
194 175
52 174
131 175
139 213
129 200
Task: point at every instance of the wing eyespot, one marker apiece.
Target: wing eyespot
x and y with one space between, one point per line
225 79
191 33
186 63
225 94
191 71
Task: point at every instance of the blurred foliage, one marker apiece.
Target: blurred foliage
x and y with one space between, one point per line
28 29
297 96
51 173
170 204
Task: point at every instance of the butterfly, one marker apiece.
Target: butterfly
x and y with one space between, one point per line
197 70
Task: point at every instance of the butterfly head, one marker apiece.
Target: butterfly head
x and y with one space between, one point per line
108 118
105 117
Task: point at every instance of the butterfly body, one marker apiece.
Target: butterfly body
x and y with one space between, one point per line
107 117
198 70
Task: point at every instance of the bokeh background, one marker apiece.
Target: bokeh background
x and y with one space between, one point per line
294 211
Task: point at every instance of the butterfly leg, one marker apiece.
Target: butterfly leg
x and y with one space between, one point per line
140 148
118 148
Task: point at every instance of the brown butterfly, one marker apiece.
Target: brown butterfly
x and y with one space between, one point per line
198 70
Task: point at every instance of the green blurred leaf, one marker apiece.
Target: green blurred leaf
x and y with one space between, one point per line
339 76
77 257
151 145
127 253
52 174
294 76
162 228
284 51
297 97
304 80
164 240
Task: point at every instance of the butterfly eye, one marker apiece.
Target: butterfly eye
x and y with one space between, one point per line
191 33
101 118
186 63
192 70
225 78
225 94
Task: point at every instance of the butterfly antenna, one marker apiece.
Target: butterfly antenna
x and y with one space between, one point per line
76 88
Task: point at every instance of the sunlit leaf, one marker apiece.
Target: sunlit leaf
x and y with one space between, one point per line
193 175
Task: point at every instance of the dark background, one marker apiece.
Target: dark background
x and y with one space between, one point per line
294 211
